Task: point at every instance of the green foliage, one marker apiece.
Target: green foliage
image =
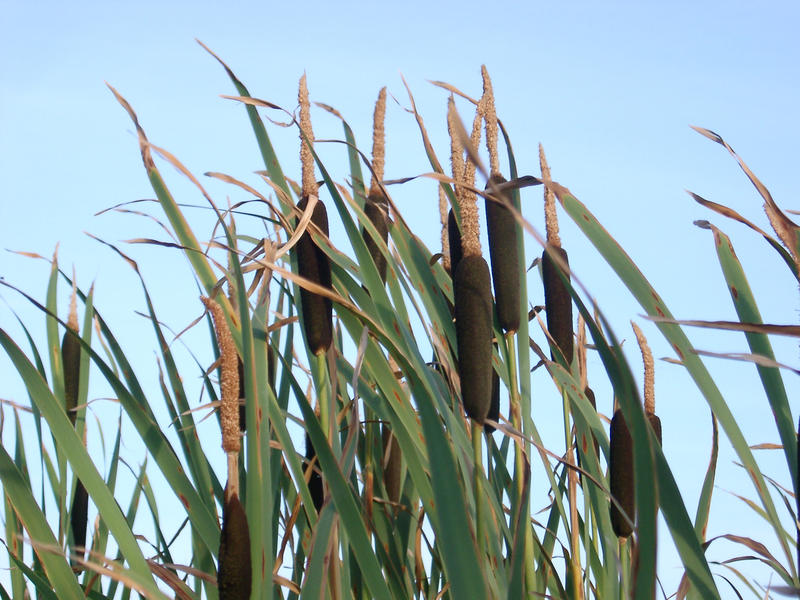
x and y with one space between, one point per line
448 512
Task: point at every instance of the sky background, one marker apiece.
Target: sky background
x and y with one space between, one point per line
609 89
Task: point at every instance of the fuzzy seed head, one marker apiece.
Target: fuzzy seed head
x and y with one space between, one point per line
378 141
309 182
229 378
550 216
491 122
72 320
649 371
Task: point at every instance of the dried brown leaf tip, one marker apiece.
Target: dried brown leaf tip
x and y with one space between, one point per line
378 141
229 378
309 182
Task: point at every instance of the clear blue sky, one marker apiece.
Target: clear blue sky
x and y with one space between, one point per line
609 89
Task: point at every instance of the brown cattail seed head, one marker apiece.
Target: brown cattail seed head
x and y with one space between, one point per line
557 302
315 480
229 379
494 406
474 331
501 228
621 474
392 465
454 233
375 208
234 575
78 516
314 265
71 358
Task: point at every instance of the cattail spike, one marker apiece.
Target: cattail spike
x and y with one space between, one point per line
550 216
490 113
234 573
474 331
229 378
378 141
467 201
501 232
649 376
621 473
309 182
313 264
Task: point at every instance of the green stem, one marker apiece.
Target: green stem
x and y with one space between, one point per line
477 431
519 458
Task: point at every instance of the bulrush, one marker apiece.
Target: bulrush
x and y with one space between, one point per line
392 465
557 301
314 478
500 225
376 206
234 570
312 263
472 292
649 382
71 357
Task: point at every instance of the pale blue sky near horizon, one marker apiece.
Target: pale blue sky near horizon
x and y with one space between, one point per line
609 89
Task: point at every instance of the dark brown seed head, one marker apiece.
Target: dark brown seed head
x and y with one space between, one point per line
392 465
494 407
315 481
78 516
314 265
501 229
557 302
234 575
655 423
621 474
473 310
71 357
375 209
454 237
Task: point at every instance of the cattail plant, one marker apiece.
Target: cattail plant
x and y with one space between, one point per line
314 478
234 571
392 465
71 357
472 297
621 456
501 227
557 301
376 206
312 263
649 382
620 468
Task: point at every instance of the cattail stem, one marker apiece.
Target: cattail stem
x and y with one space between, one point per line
520 469
477 455
575 540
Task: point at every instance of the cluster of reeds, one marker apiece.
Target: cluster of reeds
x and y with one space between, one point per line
350 469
